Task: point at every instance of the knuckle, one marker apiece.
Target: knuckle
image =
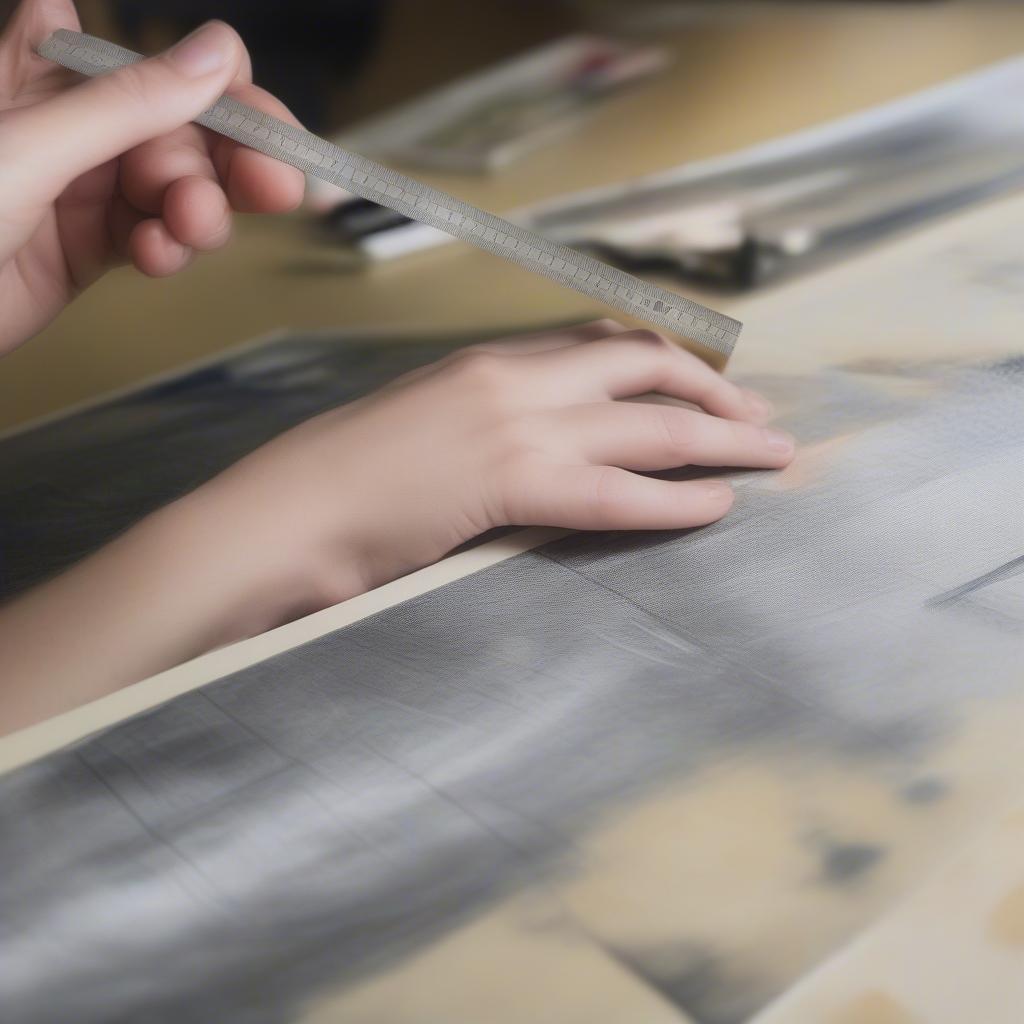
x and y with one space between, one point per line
677 428
490 382
482 369
608 494
446 362
710 389
743 435
467 351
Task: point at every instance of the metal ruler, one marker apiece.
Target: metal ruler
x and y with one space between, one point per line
313 155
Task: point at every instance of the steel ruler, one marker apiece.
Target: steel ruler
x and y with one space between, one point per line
309 153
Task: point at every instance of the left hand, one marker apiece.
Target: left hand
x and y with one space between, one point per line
529 431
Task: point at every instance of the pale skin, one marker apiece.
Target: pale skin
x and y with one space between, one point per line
529 431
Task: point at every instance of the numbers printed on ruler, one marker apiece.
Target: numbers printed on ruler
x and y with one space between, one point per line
373 181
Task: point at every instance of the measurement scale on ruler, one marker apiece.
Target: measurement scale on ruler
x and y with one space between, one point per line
370 180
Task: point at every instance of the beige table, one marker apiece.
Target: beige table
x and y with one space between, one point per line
735 82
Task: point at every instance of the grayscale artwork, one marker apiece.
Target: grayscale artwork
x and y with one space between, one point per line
320 823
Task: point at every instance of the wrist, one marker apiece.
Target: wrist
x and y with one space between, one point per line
259 565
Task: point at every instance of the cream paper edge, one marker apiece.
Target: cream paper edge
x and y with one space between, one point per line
36 741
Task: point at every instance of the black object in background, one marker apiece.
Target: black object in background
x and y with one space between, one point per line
300 49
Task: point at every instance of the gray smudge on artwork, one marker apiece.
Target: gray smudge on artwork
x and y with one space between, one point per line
842 863
323 814
928 790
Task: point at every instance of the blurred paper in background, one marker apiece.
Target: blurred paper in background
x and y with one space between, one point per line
746 218
488 119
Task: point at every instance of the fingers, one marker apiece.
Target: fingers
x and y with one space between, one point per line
643 436
148 170
196 213
638 362
254 182
84 126
572 450
31 23
607 498
194 189
155 251
123 220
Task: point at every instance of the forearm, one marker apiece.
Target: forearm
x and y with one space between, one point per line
181 582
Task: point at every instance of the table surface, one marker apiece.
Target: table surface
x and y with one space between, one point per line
735 81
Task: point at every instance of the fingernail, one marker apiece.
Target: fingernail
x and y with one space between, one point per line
203 51
778 440
758 404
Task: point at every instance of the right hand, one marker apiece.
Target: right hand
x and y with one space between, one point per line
106 170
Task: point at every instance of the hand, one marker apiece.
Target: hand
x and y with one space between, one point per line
527 432
98 172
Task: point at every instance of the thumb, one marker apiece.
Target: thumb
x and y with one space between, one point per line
91 123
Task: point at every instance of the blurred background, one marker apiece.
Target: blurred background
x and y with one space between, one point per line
594 120
333 61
